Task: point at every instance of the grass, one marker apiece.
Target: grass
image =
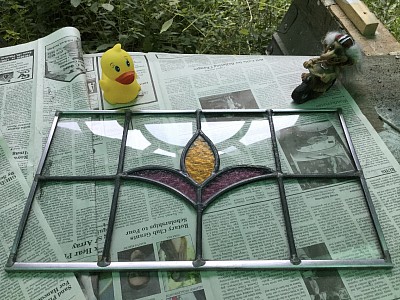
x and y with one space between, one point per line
183 26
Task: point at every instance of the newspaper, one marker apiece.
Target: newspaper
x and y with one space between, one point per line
237 226
17 90
42 243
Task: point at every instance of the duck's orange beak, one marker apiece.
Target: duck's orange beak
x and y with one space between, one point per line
126 78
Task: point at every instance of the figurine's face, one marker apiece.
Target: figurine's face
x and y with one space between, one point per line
117 65
335 53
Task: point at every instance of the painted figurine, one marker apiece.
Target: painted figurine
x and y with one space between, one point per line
118 78
339 50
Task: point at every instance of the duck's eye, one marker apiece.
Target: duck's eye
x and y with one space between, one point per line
116 68
128 63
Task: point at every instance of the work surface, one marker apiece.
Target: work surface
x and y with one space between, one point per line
375 90
68 222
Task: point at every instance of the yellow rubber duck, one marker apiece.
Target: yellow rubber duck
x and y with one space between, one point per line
118 78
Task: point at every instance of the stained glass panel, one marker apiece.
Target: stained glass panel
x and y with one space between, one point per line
258 168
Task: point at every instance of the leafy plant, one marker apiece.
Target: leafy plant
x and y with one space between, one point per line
182 26
388 12
186 26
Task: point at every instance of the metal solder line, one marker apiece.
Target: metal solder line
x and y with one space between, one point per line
284 204
105 259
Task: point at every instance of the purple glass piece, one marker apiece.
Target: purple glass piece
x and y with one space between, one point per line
229 178
170 179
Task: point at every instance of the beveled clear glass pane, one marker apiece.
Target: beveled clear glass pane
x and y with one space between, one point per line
152 206
334 216
69 208
85 145
158 139
252 217
241 139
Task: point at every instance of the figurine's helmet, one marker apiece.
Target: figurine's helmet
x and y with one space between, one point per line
341 48
345 40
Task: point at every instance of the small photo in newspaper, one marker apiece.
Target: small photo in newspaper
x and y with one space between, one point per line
91 86
195 295
233 100
322 284
138 284
314 148
89 285
178 249
64 59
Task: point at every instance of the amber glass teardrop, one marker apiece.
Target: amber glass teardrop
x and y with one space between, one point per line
199 160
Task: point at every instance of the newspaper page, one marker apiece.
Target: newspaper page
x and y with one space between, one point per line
48 75
60 85
18 77
38 245
49 70
62 80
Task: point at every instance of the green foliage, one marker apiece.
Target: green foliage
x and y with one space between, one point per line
182 26
388 12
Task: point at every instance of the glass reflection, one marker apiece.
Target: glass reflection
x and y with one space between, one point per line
176 134
69 125
221 131
113 130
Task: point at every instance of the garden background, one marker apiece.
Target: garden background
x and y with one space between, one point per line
182 26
